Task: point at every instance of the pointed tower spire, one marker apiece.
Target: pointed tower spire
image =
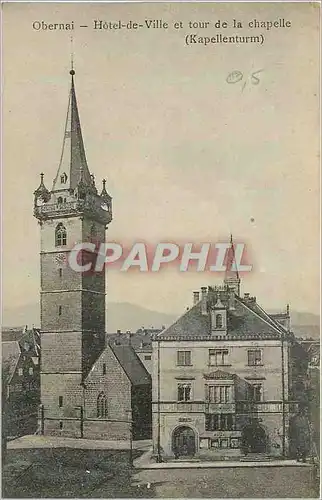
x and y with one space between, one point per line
232 280
73 159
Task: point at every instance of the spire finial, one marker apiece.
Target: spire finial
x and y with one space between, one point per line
104 183
72 72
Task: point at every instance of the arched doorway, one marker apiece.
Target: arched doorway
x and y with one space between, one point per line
254 439
183 442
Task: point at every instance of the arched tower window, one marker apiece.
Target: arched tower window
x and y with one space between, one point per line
102 405
60 235
218 321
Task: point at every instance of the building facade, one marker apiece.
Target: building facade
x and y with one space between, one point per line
223 379
20 381
85 390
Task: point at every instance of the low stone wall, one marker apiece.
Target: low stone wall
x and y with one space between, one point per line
104 429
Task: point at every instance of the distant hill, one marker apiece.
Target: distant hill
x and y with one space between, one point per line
125 316
120 316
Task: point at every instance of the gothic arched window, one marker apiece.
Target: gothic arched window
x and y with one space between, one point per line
219 321
101 406
60 235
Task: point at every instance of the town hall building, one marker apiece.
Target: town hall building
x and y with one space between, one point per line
226 378
89 388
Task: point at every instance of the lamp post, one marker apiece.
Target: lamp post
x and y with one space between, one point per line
129 412
159 457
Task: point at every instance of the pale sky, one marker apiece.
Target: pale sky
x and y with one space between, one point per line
187 156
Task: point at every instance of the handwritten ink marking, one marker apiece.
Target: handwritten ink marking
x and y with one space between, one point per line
255 80
234 77
237 76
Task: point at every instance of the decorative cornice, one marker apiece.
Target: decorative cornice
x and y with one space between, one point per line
219 375
173 338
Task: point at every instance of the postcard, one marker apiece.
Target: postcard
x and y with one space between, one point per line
161 250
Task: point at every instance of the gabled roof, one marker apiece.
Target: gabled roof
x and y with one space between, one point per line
10 357
131 364
246 321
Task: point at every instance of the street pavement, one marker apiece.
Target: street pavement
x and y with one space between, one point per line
37 468
277 482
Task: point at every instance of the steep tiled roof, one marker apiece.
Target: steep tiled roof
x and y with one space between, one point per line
139 341
9 334
246 321
191 323
131 364
10 358
29 340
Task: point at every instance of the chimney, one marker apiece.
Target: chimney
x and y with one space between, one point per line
195 298
118 332
204 311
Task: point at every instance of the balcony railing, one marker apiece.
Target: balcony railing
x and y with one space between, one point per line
69 206
176 406
72 207
265 406
237 407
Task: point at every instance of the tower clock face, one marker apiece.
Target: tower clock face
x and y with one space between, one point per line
60 258
104 206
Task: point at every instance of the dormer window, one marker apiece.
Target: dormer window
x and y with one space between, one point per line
219 322
60 200
63 178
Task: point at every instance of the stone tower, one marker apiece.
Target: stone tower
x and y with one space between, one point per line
72 303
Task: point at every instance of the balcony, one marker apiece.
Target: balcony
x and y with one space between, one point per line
195 407
48 210
238 407
220 407
259 407
182 406
90 207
